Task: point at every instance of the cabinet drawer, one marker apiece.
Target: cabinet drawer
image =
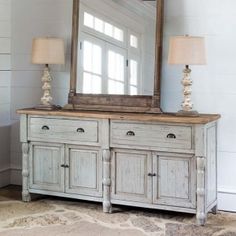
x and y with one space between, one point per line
151 135
64 130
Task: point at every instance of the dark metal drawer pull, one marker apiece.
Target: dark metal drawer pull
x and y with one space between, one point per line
45 127
173 136
130 133
65 166
152 175
80 130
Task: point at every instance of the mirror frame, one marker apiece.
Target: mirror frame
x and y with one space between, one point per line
118 103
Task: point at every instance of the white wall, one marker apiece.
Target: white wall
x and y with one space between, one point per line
5 80
34 18
214 84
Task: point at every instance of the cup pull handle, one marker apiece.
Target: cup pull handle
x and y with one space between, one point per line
171 136
45 127
80 130
130 133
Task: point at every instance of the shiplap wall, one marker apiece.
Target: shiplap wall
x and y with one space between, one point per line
42 18
214 84
5 80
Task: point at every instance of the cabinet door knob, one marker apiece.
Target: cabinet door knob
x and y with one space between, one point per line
171 136
80 130
63 166
45 127
130 133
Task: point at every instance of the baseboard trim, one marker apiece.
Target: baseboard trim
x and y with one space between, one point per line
4 177
227 191
227 199
16 176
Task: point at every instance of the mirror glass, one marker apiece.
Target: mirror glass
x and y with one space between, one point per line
116 48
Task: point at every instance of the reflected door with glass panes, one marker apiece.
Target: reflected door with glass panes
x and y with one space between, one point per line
109 58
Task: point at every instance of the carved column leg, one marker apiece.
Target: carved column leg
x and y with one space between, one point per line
25 173
107 207
201 199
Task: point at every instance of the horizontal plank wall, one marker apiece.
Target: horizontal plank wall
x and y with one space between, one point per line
213 84
5 80
43 18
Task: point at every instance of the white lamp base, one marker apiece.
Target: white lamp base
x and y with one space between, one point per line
47 98
187 104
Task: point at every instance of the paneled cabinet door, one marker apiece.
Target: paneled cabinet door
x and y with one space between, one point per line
84 174
130 180
45 162
175 182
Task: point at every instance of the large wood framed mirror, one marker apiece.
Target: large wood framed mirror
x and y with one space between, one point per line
116 55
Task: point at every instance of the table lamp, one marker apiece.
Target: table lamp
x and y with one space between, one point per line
187 50
47 51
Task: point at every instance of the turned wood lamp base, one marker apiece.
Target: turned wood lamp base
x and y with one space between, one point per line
47 98
187 104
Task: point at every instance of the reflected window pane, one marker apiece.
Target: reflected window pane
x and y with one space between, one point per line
88 20
115 87
133 41
108 29
116 66
92 83
111 65
92 58
133 90
103 27
98 25
88 55
133 72
97 59
118 34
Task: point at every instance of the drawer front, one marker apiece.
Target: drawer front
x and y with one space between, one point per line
151 135
64 130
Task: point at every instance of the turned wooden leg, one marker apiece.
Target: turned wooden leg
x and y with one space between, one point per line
25 173
201 219
107 207
201 191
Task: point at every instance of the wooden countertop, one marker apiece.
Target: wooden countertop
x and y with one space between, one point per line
164 117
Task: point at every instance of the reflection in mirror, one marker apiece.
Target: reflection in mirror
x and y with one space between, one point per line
116 47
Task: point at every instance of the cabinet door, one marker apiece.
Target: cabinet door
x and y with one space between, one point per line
46 172
130 181
84 175
175 183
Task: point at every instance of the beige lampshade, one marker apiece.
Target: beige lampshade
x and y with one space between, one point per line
48 51
187 50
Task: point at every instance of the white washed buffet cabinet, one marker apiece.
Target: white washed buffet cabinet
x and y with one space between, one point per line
157 161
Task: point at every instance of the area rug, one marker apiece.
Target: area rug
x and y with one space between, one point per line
50 216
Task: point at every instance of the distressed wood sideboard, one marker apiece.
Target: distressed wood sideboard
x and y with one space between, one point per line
154 161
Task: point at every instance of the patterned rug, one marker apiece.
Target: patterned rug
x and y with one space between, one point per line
48 216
